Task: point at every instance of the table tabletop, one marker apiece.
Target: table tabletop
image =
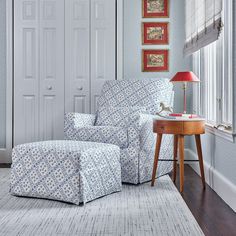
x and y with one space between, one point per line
179 119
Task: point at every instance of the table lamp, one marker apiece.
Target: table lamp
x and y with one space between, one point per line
184 77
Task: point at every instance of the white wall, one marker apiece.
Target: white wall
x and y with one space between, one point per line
219 154
133 43
2 73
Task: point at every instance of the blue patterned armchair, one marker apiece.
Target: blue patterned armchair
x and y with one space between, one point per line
126 109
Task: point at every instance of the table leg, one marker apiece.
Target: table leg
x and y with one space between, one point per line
157 151
200 158
181 161
175 157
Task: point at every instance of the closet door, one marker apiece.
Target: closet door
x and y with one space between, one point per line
38 70
77 86
103 46
26 71
51 89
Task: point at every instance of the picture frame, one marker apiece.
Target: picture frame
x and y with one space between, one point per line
155 60
155 33
155 8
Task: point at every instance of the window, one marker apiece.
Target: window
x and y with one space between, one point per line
203 23
213 98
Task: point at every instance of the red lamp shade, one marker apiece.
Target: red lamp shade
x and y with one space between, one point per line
186 76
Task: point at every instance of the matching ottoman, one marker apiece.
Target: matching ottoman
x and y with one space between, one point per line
69 171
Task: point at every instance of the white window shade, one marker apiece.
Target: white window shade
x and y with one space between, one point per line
203 23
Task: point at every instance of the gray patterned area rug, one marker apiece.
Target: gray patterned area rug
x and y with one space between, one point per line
137 210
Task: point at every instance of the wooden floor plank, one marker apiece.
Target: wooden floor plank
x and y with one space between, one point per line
213 215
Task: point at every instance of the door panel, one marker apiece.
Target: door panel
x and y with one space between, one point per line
51 69
103 46
26 68
77 86
49 117
30 117
79 104
38 70
29 51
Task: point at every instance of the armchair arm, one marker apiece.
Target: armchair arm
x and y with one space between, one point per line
147 137
76 120
147 149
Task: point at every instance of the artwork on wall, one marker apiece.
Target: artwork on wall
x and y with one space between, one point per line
155 60
155 8
155 33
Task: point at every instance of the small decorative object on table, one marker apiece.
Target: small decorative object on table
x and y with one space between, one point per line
164 108
179 128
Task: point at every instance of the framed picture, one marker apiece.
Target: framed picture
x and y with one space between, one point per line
155 8
155 32
156 60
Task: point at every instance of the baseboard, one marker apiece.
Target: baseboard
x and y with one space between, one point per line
4 158
221 185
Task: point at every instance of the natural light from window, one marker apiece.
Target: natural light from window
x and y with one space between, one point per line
213 64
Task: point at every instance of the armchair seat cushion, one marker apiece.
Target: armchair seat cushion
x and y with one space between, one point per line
102 134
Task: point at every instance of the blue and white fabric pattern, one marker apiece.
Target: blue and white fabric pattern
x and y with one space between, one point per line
146 93
147 150
76 120
118 116
69 171
137 158
101 134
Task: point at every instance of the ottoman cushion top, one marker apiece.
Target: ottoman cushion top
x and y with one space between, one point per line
66 145
66 170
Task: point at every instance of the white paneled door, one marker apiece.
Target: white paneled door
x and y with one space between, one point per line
64 50
91 51
51 86
38 70
77 87
103 43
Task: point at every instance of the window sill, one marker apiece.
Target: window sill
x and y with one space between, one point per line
225 134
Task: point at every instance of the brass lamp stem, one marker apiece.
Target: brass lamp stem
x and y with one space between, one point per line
185 102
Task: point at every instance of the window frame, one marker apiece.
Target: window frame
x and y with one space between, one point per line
224 55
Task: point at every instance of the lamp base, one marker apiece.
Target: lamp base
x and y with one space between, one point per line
184 115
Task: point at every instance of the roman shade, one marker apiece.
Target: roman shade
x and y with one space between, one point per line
203 23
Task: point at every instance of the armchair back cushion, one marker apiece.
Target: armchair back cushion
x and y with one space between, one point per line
131 93
118 116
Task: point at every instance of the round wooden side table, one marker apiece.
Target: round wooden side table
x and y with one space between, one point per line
179 128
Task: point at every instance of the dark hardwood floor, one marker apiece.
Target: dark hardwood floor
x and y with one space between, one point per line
213 215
